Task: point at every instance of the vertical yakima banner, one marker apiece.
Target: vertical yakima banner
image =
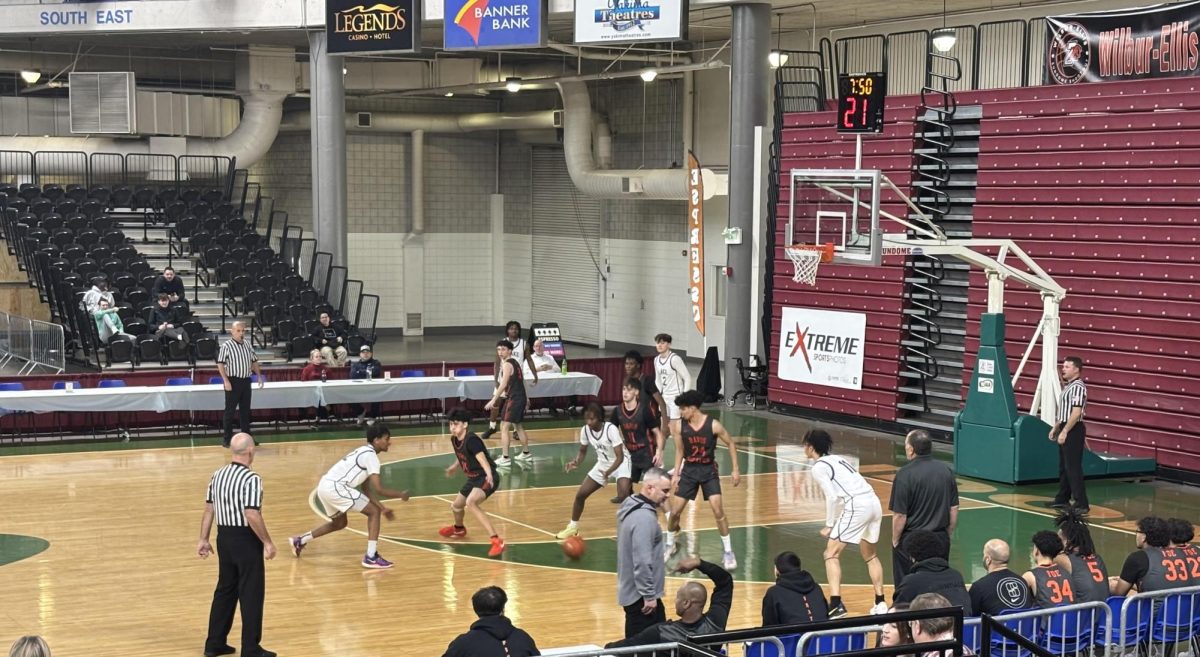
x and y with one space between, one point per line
354 26
1159 41
696 241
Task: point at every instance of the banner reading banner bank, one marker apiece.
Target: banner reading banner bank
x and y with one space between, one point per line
1158 41
822 347
470 24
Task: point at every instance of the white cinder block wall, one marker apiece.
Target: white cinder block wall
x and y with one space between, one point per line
643 241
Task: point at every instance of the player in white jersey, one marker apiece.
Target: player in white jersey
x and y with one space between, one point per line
853 515
611 461
673 378
339 493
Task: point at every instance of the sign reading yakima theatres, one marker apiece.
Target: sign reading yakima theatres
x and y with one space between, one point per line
1159 41
494 24
822 347
358 26
625 21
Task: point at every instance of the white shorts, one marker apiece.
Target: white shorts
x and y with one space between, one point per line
597 472
339 498
860 521
671 411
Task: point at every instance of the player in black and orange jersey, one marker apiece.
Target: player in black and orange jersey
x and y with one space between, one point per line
639 429
1156 565
1182 532
633 370
696 469
1049 581
1089 574
512 399
473 459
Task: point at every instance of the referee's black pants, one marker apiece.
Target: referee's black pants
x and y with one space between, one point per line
237 400
241 581
636 621
1070 468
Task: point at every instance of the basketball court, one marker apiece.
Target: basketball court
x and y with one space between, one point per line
107 565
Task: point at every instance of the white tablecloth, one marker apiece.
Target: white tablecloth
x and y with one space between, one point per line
286 394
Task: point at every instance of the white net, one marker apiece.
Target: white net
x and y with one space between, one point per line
806 260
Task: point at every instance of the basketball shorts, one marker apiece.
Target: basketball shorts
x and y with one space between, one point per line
671 411
860 521
514 411
698 477
481 484
596 474
639 462
340 498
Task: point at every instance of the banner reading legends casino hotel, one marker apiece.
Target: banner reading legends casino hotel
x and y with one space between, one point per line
696 241
1158 41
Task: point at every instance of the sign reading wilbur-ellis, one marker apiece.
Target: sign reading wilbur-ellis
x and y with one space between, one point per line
1159 41
360 26
822 347
494 24
623 21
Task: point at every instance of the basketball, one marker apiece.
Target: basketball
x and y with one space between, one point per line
574 547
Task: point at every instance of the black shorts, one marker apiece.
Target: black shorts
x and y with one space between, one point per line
480 483
514 411
698 477
639 462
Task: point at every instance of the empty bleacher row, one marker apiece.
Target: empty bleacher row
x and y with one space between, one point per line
68 237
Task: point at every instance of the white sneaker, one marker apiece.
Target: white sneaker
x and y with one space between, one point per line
672 550
571 530
730 561
880 608
524 456
503 461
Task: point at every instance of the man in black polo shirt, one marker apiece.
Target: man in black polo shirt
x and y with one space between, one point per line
924 496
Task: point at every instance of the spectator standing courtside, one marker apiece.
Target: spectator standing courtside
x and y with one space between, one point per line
235 360
924 496
234 501
493 635
1071 436
641 571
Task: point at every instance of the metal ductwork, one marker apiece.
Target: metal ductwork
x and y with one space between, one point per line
433 123
665 184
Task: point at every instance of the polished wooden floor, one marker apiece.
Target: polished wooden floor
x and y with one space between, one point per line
121 577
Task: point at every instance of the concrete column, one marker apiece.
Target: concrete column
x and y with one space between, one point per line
749 86
328 143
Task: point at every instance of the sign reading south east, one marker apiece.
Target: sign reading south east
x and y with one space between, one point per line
627 21
471 24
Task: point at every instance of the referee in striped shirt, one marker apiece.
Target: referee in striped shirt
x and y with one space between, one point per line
235 501
1068 431
235 360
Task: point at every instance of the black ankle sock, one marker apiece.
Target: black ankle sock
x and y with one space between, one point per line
878 599
460 527
835 600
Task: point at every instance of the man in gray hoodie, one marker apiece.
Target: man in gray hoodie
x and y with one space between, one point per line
641 571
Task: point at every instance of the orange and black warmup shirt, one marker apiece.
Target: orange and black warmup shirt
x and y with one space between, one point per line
466 452
635 425
699 445
1053 586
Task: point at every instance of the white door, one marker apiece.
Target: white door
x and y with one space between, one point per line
566 250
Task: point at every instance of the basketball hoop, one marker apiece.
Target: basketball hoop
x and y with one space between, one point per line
807 258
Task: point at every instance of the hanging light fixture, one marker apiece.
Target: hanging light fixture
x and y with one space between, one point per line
31 77
944 37
649 74
777 57
512 84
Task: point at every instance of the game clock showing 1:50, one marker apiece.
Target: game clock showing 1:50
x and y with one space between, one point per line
860 102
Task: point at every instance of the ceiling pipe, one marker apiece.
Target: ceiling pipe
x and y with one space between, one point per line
388 122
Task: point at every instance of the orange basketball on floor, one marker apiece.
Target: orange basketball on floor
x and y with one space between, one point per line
574 547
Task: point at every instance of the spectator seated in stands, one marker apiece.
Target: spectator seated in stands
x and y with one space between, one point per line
109 324
931 571
896 634
1000 589
366 367
493 635
796 597
928 630
330 340
315 370
29 646
171 285
689 605
91 298
164 320
1153 566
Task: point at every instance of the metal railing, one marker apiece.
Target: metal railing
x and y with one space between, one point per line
31 344
79 168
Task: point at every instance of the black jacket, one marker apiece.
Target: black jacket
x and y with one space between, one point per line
795 598
163 286
710 622
934 576
158 315
489 636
